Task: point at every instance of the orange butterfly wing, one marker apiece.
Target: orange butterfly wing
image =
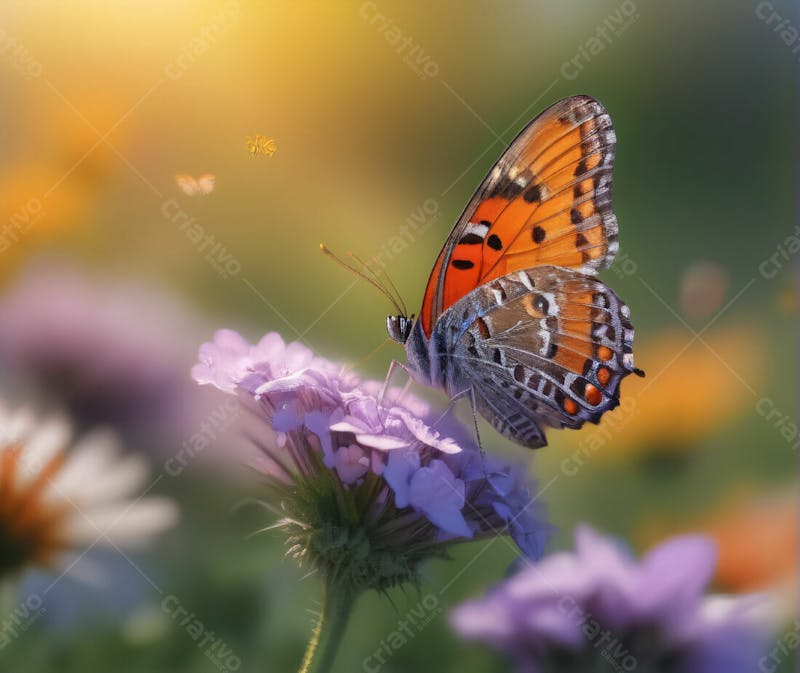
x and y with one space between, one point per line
547 200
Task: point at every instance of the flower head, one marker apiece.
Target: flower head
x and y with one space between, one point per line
369 484
56 503
597 608
104 351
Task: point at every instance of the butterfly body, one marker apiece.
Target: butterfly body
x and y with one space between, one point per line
514 312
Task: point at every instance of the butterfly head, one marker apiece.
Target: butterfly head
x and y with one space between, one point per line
399 327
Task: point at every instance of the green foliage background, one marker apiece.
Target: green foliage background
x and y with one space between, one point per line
703 100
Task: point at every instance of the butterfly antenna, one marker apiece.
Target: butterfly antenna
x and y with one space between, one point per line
385 273
326 251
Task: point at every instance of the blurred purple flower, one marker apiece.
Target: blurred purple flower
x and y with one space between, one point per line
599 609
103 350
380 477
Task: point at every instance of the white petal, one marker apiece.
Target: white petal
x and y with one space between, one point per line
126 478
15 425
124 524
88 465
41 446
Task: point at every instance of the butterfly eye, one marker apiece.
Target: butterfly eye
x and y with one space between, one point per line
398 327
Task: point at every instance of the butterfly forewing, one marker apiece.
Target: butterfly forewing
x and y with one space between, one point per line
546 201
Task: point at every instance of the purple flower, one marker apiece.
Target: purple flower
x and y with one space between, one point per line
599 609
106 351
376 480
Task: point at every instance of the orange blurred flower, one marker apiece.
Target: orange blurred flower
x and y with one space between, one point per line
53 188
688 393
34 212
756 537
757 540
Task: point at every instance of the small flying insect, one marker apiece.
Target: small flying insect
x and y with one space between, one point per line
260 144
191 186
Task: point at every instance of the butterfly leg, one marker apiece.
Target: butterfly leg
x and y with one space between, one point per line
393 365
469 393
404 389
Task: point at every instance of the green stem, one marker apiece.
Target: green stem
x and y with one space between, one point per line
337 605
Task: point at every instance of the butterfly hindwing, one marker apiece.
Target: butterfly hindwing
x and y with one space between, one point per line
549 348
547 201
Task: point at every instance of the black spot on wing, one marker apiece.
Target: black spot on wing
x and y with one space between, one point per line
506 189
494 242
533 193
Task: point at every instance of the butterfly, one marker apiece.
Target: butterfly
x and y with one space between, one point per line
191 186
514 314
259 144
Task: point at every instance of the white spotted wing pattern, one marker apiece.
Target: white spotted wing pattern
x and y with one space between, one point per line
531 356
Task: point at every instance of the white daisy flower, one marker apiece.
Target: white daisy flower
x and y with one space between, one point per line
58 501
